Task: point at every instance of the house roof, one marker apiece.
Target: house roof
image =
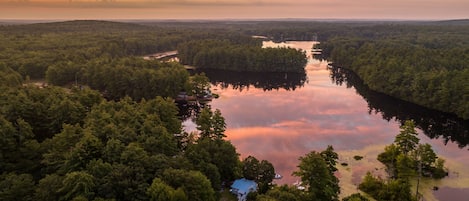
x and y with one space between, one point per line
244 186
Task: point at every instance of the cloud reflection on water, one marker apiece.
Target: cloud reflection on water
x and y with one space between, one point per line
280 126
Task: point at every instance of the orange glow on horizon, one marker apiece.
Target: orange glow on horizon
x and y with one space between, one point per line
232 9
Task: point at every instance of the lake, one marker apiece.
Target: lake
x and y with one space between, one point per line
280 117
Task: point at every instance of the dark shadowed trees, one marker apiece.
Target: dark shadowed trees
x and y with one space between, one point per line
317 177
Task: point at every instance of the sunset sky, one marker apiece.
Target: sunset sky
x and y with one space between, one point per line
234 9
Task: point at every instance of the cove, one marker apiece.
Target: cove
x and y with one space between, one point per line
280 117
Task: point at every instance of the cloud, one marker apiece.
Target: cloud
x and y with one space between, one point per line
143 4
234 9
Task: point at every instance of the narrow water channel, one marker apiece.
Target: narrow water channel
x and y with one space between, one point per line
280 117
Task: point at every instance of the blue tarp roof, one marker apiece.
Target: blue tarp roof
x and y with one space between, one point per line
243 185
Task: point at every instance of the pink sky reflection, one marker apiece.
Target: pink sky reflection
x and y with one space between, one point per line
280 125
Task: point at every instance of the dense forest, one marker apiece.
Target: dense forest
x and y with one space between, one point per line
453 129
423 64
59 145
102 124
122 142
250 57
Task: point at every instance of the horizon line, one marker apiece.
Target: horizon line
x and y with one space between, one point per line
236 19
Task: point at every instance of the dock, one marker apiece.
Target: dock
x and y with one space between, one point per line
161 55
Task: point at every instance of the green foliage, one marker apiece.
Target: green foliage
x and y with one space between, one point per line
405 156
54 157
195 185
262 172
422 63
61 144
371 185
88 148
219 153
265 198
136 78
73 144
318 176
115 154
211 124
355 197
219 125
439 170
160 191
9 77
389 155
397 190
330 157
425 63
252 196
227 55
405 159
407 139
19 151
425 155
16 187
204 123
48 188
392 190
405 167
63 73
77 184
32 49
266 175
250 168
283 193
46 110
180 195
199 84
389 158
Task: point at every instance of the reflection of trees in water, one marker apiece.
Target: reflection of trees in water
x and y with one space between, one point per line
191 109
188 110
242 81
433 123
266 81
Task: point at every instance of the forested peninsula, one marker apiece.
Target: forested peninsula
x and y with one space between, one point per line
247 57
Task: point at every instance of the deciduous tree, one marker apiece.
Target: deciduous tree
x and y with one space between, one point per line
315 174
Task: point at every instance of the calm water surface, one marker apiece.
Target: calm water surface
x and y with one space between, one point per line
280 117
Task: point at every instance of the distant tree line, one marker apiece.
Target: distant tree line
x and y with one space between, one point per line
226 55
32 48
429 67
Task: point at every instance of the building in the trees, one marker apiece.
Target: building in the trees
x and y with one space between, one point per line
242 187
